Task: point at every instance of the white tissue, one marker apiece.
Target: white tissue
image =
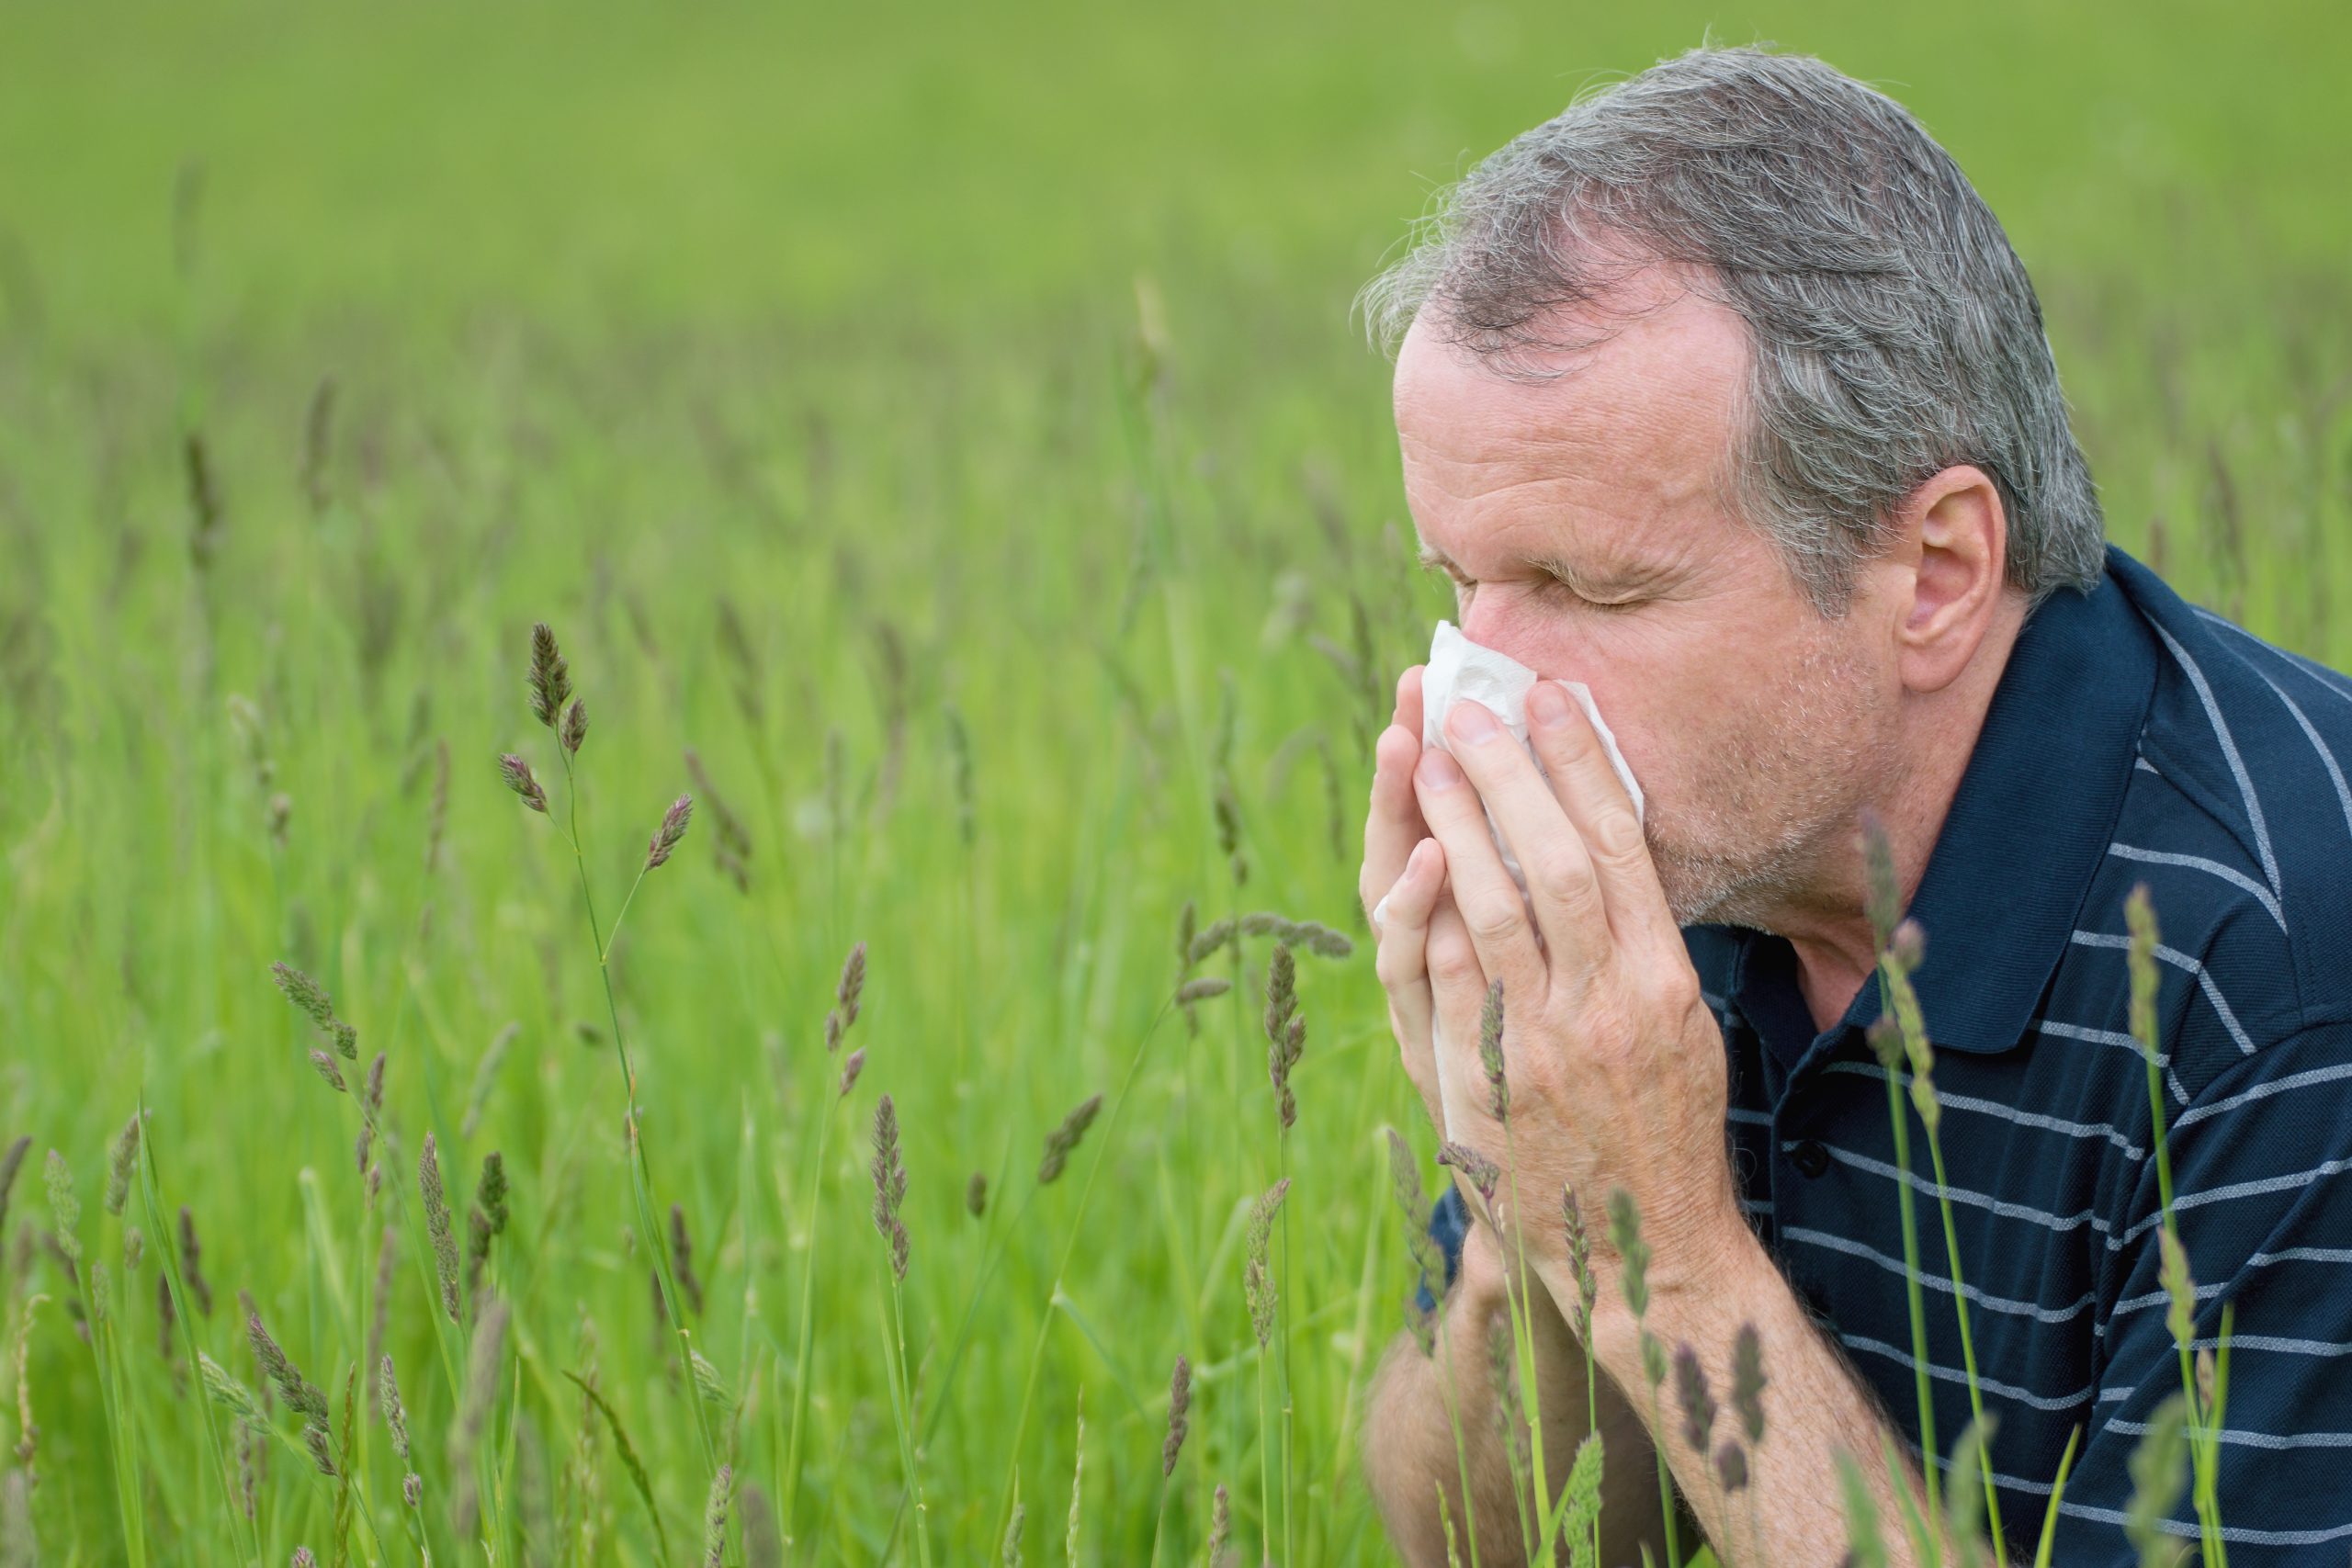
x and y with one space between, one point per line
1459 668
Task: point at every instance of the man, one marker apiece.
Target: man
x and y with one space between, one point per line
1725 393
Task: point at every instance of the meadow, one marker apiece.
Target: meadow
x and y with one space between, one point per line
939 443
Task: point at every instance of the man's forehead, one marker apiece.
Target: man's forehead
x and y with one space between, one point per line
1657 348
1631 430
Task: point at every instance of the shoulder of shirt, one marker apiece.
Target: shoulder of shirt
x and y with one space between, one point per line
2239 819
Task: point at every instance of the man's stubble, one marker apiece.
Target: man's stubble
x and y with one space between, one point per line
1780 797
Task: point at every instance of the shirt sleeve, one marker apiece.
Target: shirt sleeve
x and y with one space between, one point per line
2262 1177
1449 1219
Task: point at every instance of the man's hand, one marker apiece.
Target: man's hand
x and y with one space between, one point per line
1403 865
1616 1069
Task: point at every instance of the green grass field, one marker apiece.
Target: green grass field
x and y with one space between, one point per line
946 426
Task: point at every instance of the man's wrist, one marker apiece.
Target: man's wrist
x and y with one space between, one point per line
1699 1289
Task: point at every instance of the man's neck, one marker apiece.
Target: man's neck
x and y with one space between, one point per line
1829 928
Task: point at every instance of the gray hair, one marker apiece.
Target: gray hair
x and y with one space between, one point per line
1892 331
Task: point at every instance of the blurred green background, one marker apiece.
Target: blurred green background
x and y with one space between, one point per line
950 423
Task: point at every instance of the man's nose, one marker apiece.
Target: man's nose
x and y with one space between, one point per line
1513 623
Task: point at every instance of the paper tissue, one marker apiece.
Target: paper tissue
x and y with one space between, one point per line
1459 668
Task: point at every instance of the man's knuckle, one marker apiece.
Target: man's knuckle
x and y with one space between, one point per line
1618 837
1498 923
1451 958
1555 867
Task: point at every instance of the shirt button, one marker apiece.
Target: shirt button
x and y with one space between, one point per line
1809 1159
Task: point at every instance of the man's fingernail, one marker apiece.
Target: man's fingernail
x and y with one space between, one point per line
1548 704
1439 771
1476 721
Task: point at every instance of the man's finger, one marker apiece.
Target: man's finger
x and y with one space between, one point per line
1393 825
1491 909
1560 882
1588 789
1402 963
1457 993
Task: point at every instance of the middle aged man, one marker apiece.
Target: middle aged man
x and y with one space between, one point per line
1725 393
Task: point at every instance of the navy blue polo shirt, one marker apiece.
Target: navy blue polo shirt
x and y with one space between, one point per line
2132 738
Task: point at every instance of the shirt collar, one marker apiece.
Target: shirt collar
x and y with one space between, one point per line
2031 822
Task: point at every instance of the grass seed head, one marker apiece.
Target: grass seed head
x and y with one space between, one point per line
522 781
976 1194
372 1105
1429 1260
889 1183
2159 1469
387 1395
851 988
714 1518
1217 935
311 999
1257 1277
1731 1466
1909 945
1747 1382
1180 1404
1883 901
1625 1235
329 1071
548 679
851 1065
1697 1401
1202 990
1483 1173
2139 956
300 1394
682 1259
1886 1038
192 1263
1490 1052
491 1191
674 828
1220 1524
122 1164
1063 1141
1579 1261
575 725
63 1207
2179 1287
226 1390
1285 1030
437 1225
1012 1552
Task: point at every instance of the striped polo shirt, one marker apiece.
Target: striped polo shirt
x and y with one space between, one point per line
2132 738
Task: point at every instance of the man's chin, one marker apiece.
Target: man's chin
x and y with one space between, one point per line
1712 893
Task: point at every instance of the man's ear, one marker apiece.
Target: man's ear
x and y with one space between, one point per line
1957 533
